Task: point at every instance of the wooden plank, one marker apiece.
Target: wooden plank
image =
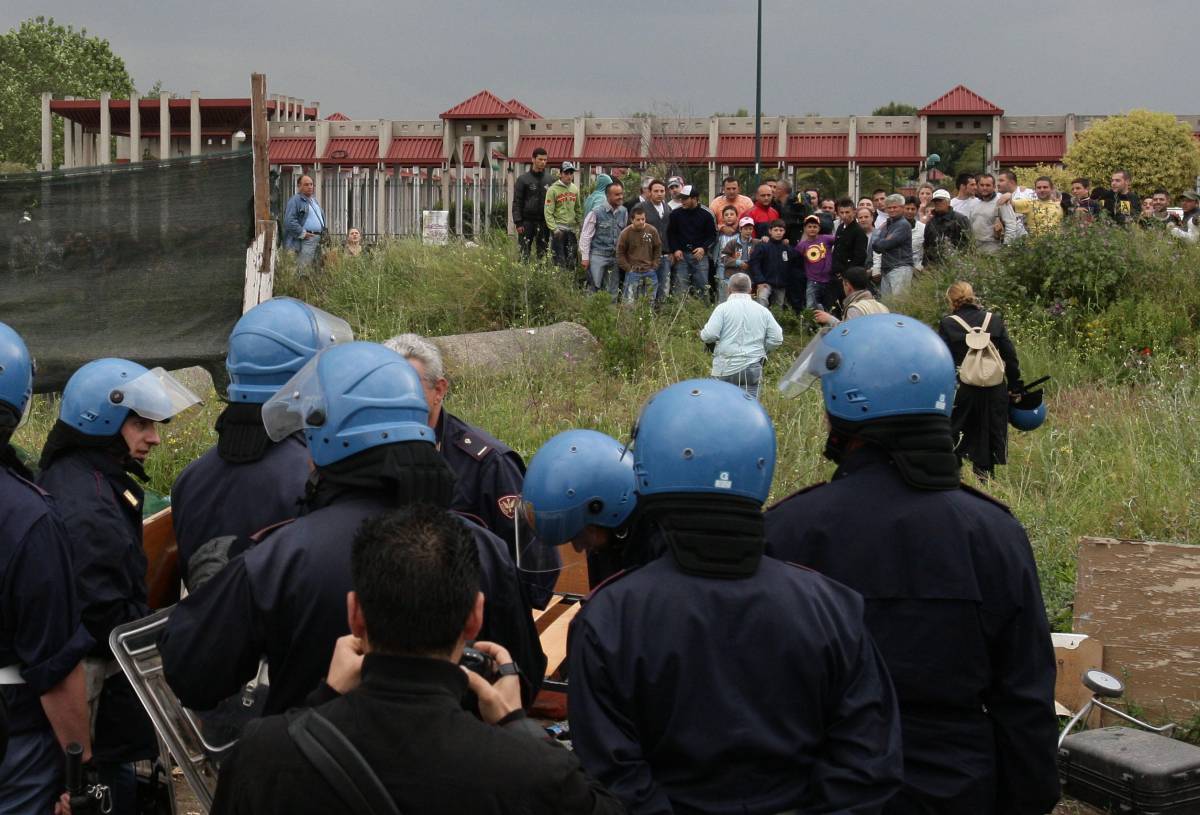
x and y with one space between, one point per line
162 559
1074 654
554 640
538 613
573 579
264 223
1142 600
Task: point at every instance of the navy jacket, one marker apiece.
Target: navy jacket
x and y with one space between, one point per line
893 240
689 229
751 696
39 613
213 497
101 506
490 477
776 263
952 599
286 599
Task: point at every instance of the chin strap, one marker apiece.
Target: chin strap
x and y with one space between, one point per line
708 535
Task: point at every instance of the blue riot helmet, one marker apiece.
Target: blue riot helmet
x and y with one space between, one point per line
273 341
1027 418
877 366
100 396
704 436
349 398
578 478
16 371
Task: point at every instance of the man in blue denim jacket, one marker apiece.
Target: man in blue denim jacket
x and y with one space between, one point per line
303 224
893 241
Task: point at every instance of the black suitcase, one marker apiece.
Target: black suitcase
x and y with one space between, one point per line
1131 771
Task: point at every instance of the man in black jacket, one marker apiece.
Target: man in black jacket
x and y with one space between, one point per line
658 214
416 603
849 240
691 233
947 231
528 207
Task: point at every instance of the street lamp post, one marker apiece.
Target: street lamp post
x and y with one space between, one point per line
758 103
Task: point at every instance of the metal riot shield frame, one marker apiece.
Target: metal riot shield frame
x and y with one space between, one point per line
135 646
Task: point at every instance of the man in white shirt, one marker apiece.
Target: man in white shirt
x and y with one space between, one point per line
744 332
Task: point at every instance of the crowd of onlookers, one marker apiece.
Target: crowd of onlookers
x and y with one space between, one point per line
796 245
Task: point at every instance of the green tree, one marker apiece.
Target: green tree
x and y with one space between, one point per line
1156 149
41 55
895 109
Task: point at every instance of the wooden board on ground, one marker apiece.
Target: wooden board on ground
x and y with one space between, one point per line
1142 600
162 559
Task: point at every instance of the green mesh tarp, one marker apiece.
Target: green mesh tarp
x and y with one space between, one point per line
142 261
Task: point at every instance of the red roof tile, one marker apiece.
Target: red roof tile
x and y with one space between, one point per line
415 151
679 148
337 117
558 148
1031 148
292 150
960 101
888 149
818 149
483 105
523 109
353 150
740 149
612 148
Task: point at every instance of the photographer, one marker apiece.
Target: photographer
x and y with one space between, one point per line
416 604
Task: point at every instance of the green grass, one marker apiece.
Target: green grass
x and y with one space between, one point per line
1115 458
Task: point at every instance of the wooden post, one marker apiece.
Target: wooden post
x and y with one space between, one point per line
264 224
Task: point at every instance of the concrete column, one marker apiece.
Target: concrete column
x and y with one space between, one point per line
80 146
580 130
322 139
381 208
510 184
89 149
852 177
316 106
852 138
781 153
105 144
449 147
646 138
385 138
712 184
923 148
135 128
68 142
164 126
1069 133
993 149
714 143
194 124
47 134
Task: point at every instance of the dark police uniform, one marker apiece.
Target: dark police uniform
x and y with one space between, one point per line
101 506
490 477
953 602
213 497
286 598
749 696
41 633
433 757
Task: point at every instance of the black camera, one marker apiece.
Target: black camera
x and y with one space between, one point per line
475 660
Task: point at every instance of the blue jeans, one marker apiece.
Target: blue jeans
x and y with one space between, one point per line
895 281
637 283
603 273
691 275
748 379
663 274
122 786
31 777
309 247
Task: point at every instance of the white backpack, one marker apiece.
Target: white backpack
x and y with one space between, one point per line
982 366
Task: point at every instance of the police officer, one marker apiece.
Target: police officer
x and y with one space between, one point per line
363 414
948 577
107 425
248 482
713 678
42 642
580 490
489 473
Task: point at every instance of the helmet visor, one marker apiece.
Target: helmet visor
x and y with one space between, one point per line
816 360
298 404
331 330
155 395
553 528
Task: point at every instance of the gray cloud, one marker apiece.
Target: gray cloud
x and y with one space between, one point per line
407 59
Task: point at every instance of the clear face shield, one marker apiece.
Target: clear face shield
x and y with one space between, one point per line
815 361
298 404
155 395
331 330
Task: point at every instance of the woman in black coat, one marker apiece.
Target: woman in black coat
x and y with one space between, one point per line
980 417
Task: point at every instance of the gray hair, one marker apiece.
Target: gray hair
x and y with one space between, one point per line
414 346
739 282
894 198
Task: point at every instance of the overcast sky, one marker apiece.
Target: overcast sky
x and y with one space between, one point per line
407 59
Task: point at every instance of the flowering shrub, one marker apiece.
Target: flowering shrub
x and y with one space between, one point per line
1156 149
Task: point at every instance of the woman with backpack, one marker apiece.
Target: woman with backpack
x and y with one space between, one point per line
986 360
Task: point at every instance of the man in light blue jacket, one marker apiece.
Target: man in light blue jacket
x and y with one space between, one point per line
303 224
744 332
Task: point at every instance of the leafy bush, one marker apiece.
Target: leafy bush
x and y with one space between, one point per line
1156 149
1062 178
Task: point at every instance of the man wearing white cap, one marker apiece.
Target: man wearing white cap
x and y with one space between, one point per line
947 231
735 256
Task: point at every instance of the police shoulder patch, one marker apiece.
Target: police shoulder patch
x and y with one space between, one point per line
798 492
507 504
978 493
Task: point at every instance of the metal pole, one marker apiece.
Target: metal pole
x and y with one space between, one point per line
758 104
